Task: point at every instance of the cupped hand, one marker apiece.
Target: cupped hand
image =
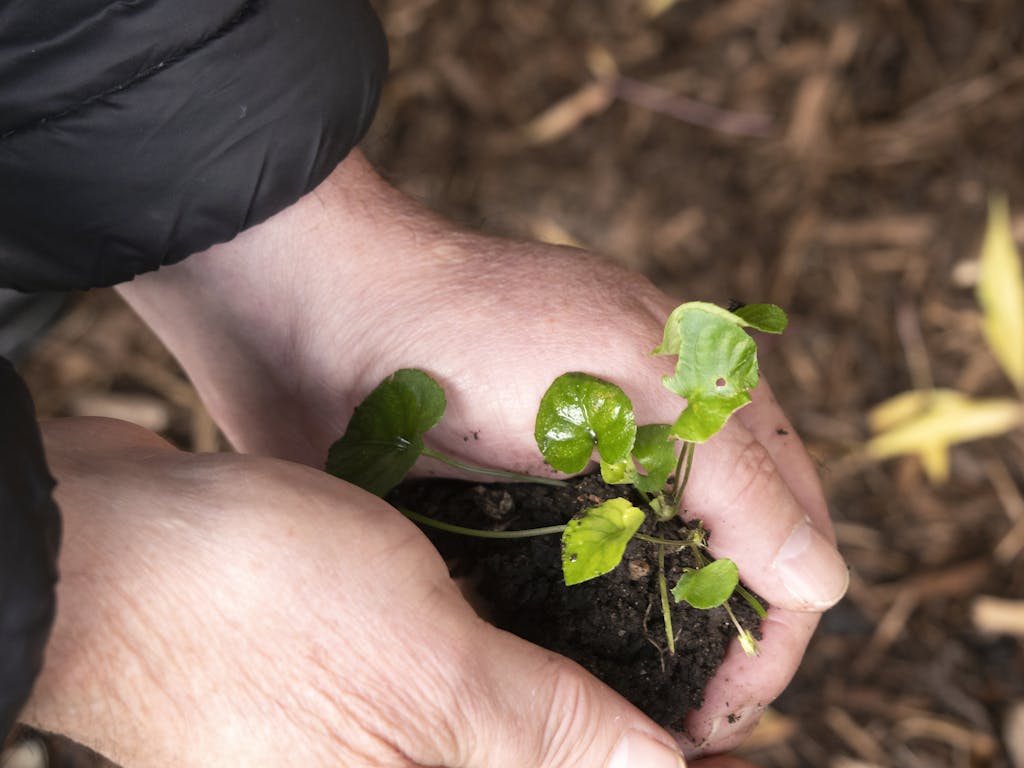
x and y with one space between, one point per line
232 610
304 315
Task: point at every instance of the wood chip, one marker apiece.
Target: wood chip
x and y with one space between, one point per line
856 737
27 754
998 616
1013 734
560 119
145 410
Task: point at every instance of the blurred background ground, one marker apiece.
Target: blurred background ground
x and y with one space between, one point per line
833 157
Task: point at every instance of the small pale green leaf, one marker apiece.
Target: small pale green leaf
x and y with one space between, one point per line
657 452
672 338
620 473
579 411
1001 292
763 317
594 544
385 436
928 422
717 367
709 586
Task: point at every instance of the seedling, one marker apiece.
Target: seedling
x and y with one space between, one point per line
715 370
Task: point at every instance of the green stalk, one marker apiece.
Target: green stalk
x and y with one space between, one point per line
486 471
752 601
679 469
451 528
747 640
664 542
677 492
663 588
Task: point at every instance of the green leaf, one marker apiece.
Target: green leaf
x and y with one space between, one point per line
385 436
709 586
1001 292
717 367
594 544
764 317
620 473
655 450
579 411
671 340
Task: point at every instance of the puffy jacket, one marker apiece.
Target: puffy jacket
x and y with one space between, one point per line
133 134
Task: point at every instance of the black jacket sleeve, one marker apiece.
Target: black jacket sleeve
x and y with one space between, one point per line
29 540
133 134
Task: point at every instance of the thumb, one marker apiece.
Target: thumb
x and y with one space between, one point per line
544 711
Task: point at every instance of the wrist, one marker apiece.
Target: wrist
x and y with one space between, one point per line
250 304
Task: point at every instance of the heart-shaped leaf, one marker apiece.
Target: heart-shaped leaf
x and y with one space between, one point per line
578 412
656 451
594 544
707 587
717 368
385 436
762 317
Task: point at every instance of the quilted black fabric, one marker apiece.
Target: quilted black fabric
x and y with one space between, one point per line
133 134
29 541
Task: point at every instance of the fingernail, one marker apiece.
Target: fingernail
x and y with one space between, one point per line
638 750
811 569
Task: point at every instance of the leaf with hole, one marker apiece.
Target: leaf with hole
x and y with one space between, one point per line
717 367
707 587
385 436
594 544
579 411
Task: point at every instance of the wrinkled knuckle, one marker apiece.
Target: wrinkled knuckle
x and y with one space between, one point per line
754 471
570 726
443 711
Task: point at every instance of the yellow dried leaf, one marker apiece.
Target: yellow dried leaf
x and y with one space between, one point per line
926 422
657 7
935 460
907 405
1001 292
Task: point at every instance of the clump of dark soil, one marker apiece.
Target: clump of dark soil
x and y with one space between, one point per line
611 625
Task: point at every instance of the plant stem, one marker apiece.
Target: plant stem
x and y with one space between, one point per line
665 608
752 601
677 492
451 528
679 469
664 542
747 640
500 473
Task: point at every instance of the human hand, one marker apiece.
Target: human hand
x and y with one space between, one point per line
311 310
232 610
